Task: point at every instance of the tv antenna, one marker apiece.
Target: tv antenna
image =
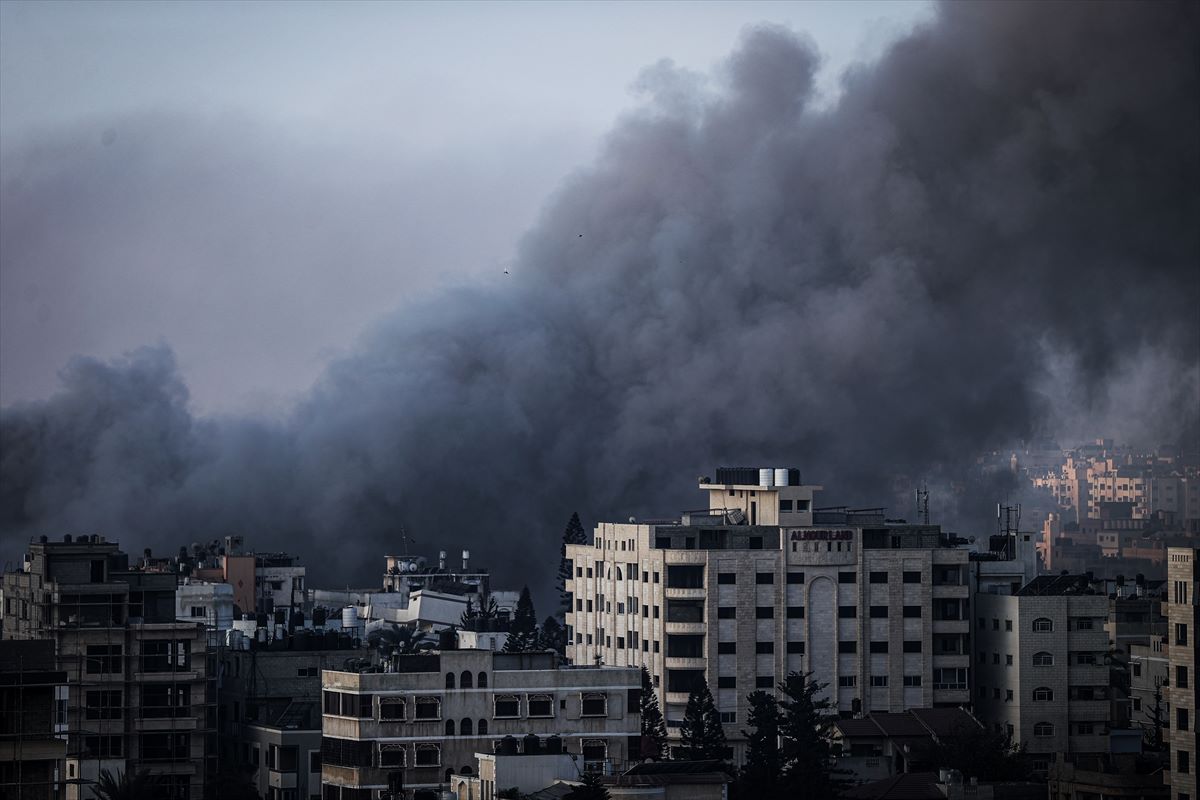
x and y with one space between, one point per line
1008 518
923 504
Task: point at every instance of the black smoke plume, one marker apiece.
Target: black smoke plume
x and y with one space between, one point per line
992 236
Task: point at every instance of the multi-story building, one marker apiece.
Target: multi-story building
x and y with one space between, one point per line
1041 666
1183 625
761 584
33 700
426 718
138 691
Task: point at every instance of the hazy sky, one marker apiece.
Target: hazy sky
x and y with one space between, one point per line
253 184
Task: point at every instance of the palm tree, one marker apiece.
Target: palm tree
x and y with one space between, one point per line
125 786
398 640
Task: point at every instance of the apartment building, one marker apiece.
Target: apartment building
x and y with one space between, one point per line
33 699
1041 670
425 719
139 696
1183 625
761 584
1087 482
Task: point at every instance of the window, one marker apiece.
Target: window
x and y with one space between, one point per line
1183 764
912 645
912 612
846 681
726 612
848 647
879 612
879 680
449 727
541 705
197 612
482 727
1043 694
764 648
103 705
1085 728
103 659
995 624
1181 719
726 648
594 704
912 576
1043 659
1085 658
102 747
306 672
391 709
1043 625
685 576
764 612
727 577
764 681
392 755
763 578
847 612
795 612
1181 677
164 700
1008 659
879 647
427 707
1083 624
314 761
847 577
726 682
165 746
506 705
795 647
912 680
878 577
449 680
428 755
1008 625
995 658
1043 729
795 577
594 750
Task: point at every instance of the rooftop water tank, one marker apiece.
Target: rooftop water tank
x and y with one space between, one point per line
350 619
532 744
781 476
766 477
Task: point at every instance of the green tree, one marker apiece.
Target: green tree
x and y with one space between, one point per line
805 720
761 774
654 728
589 788
127 786
978 752
572 534
702 734
231 783
523 631
553 636
398 640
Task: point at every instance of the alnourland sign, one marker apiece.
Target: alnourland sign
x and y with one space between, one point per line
822 536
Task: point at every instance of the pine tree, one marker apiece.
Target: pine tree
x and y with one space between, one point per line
763 770
552 636
572 534
523 631
703 736
804 727
654 729
589 788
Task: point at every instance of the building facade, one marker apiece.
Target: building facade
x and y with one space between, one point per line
424 721
1041 666
1183 624
33 699
139 697
760 585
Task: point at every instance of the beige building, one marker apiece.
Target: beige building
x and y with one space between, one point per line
426 719
1183 624
1040 666
761 584
137 678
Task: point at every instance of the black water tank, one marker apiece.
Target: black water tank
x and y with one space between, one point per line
280 617
318 616
552 745
508 746
532 744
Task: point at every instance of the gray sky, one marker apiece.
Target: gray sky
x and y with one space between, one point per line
255 183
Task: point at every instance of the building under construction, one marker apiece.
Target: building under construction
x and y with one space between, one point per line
141 691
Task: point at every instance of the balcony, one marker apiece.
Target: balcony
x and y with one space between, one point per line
680 662
680 698
281 780
179 676
686 627
685 593
166 724
951 626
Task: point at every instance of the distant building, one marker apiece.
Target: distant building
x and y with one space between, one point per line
761 584
878 746
1183 627
1041 666
429 716
138 679
33 717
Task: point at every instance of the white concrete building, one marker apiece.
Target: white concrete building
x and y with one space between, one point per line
1041 670
210 604
760 584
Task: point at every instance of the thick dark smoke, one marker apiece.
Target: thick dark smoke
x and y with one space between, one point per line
991 237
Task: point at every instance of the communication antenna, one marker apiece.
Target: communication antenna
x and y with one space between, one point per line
405 539
1008 518
923 504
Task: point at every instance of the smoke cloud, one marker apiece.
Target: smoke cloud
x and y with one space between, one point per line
990 237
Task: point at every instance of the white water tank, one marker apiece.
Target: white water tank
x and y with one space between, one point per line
766 477
350 620
781 476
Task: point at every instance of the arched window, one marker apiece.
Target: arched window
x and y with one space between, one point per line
1043 729
449 727
464 727
1043 659
449 680
620 577
1043 694
482 727
464 680
1043 625
482 682
466 771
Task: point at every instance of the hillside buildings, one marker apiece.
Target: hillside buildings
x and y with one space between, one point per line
760 584
425 719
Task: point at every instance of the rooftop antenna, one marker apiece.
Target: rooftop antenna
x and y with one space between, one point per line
923 504
1008 521
404 540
